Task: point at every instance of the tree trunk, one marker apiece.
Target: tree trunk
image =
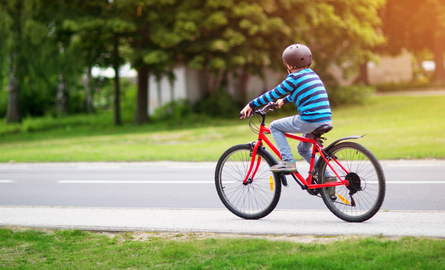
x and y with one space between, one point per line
141 116
439 50
243 83
171 81
117 110
13 112
62 97
209 79
158 84
219 79
363 74
172 90
88 95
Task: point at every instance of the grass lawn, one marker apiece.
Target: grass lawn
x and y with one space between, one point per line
397 127
74 249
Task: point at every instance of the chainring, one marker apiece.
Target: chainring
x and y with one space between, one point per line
314 191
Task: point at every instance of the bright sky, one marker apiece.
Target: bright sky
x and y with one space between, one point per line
124 71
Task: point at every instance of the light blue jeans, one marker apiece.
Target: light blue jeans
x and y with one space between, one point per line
294 124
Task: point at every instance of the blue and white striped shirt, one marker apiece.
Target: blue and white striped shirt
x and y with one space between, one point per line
306 90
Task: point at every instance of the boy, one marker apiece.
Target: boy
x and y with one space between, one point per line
304 88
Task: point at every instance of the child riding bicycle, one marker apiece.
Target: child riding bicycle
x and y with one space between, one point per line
304 88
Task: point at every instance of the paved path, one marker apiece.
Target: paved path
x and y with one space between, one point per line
279 222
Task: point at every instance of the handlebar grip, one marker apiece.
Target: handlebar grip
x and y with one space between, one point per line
241 115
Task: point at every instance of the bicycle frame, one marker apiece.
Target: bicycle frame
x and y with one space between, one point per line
317 148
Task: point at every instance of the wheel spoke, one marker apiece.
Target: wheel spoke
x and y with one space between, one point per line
254 199
368 198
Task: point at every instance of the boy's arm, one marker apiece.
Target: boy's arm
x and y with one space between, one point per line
282 89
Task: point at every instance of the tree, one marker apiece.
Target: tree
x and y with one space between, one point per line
158 30
100 27
416 26
251 35
27 50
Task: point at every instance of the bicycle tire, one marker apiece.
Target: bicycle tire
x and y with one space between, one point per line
367 183
254 200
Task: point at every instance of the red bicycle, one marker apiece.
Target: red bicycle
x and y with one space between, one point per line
249 190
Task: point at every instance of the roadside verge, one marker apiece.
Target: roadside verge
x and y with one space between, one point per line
279 222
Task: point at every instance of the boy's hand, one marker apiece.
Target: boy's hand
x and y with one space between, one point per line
280 102
245 112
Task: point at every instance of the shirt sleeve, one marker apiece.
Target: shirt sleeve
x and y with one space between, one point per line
282 89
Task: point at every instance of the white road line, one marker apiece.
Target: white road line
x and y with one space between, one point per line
191 167
203 182
98 167
132 182
408 182
13 168
414 165
415 182
2 181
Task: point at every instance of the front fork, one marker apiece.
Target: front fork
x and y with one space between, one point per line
253 154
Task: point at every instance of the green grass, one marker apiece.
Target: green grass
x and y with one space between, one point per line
75 249
397 127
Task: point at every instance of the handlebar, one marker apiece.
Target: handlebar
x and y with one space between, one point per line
268 108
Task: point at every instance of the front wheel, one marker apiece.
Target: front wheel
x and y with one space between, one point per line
252 200
363 197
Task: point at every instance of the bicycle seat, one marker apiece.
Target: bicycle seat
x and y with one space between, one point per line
322 130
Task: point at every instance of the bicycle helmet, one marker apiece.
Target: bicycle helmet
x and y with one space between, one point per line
297 55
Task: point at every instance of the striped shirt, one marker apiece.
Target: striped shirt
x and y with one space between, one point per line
306 90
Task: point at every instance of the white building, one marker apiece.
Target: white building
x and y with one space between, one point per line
189 83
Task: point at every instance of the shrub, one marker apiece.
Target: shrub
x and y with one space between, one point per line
3 101
220 104
350 95
175 110
178 113
48 122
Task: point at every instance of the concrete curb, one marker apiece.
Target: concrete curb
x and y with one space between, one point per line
279 222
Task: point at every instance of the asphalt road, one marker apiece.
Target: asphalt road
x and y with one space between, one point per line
411 185
168 196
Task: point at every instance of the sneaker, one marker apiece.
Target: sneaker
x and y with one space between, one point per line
331 190
284 166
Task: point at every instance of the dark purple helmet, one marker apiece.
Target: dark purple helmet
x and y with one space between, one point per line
297 55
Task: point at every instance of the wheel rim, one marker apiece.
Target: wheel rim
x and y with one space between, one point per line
359 199
252 198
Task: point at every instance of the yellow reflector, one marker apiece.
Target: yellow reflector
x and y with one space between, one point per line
343 199
271 183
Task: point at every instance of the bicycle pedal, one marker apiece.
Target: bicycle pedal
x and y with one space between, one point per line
284 180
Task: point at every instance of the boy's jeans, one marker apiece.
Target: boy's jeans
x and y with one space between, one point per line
293 124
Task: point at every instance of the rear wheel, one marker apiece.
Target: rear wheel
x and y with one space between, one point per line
252 200
363 197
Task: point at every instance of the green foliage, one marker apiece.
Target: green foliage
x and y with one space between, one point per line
174 110
220 104
33 54
350 95
63 37
251 35
3 101
49 122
